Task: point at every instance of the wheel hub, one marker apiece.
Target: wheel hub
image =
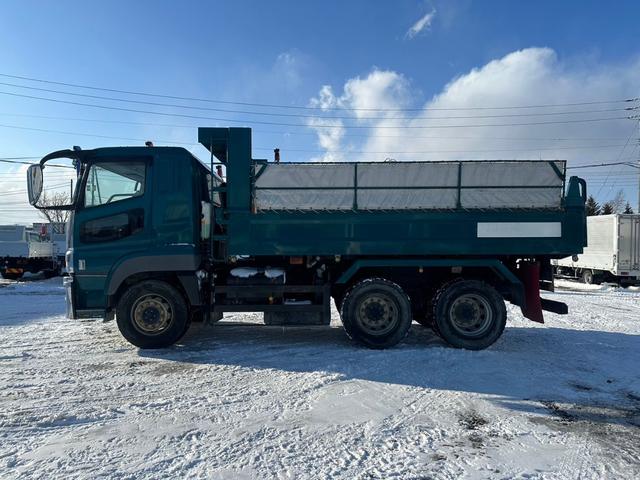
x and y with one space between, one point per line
471 315
151 314
377 314
374 311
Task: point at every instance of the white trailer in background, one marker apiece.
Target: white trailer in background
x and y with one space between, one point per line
612 252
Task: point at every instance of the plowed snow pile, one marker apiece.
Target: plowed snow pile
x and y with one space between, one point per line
241 400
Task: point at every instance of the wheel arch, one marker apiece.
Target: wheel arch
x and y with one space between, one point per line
497 273
177 270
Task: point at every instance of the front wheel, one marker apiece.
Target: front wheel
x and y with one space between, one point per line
376 313
469 314
152 314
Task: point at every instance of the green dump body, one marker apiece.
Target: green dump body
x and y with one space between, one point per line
442 232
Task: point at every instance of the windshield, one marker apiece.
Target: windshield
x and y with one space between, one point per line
109 182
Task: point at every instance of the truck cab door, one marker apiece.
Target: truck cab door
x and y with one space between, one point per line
111 221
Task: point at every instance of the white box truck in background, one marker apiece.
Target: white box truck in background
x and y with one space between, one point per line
612 252
40 248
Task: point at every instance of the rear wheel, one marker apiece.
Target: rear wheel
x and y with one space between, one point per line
152 314
376 313
587 277
469 314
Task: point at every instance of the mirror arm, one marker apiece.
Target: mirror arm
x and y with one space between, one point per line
76 155
71 154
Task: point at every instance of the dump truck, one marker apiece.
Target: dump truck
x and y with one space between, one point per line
40 248
159 239
612 254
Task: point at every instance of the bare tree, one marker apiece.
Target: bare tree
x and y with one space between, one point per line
56 199
618 203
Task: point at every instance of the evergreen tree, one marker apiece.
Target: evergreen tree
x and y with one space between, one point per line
607 209
593 207
627 208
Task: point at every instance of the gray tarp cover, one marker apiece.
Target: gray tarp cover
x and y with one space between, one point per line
297 186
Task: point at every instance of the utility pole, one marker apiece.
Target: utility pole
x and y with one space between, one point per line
638 210
637 165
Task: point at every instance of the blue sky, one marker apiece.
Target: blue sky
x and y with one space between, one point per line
523 53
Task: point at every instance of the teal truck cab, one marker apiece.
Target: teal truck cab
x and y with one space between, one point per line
159 239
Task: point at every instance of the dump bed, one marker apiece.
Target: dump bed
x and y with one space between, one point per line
409 185
468 208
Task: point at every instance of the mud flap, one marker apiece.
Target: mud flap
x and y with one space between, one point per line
530 277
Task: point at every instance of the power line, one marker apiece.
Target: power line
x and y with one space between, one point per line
522 149
606 164
24 190
300 107
617 159
301 150
17 162
46 130
313 134
297 115
260 122
31 163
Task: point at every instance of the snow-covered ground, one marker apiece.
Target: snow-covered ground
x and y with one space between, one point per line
240 400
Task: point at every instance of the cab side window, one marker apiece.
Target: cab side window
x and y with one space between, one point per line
110 182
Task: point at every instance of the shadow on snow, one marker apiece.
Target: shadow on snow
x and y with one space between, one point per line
573 375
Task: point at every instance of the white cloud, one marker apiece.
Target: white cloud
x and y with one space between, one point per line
424 23
532 76
378 90
381 90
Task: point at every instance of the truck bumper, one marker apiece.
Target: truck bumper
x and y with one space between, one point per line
69 294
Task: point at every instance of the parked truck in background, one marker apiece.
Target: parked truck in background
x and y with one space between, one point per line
612 254
40 248
160 239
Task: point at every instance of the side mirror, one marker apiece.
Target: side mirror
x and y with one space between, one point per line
34 183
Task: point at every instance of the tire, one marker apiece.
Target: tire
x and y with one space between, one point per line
11 276
376 313
587 277
49 273
152 314
469 314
